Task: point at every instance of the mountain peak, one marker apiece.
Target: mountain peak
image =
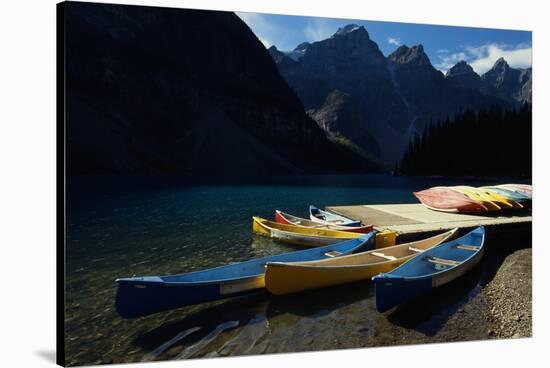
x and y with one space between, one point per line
501 64
462 67
349 28
280 58
302 47
405 55
462 75
508 83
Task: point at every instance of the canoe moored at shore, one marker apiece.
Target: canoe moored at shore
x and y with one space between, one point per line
291 277
140 296
328 218
433 268
286 218
477 196
448 200
299 235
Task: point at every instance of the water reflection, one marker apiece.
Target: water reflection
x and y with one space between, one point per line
173 229
257 316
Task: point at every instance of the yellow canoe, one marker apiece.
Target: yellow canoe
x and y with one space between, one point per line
499 198
478 196
313 237
292 277
299 235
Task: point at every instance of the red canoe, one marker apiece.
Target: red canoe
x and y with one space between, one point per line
286 218
447 200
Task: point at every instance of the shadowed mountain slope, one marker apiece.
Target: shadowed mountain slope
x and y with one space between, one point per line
159 90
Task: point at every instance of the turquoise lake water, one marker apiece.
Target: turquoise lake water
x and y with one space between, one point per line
125 227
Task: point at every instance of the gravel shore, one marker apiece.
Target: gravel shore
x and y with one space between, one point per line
499 308
493 301
510 296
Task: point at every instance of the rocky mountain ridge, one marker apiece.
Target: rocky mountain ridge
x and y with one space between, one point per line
153 90
395 96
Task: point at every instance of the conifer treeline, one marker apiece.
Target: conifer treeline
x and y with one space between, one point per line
490 143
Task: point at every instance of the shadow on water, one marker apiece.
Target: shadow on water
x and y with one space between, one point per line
202 324
124 226
428 314
320 302
242 309
249 310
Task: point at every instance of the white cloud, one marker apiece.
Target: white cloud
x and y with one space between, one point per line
447 60
318 29
482 58
394 41
516 57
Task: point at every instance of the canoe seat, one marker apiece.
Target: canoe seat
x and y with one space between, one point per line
319 226
382 255
332 254
442 261
473 248
416 249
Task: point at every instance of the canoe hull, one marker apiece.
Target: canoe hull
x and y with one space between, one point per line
329 218
521 198
291 277
395 291
478 197
391 292
140 296
297 235
282 278
521 188
136 299
284 218
426 272
501 201
447 200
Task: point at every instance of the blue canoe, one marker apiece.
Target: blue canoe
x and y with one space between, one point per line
329 218
513 195
140 296
429 270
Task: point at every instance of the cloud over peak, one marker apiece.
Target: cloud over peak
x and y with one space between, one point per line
394 41
318 29
482 58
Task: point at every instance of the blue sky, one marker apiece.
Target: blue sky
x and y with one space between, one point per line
444 45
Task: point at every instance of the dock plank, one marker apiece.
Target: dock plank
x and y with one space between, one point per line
409 220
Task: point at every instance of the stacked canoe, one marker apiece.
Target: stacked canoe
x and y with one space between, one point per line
467 199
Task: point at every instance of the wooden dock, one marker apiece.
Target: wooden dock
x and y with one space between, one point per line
414 221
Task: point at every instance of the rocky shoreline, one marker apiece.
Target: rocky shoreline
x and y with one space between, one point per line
499 308
493 301
510 297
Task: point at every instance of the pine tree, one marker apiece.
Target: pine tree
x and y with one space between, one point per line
490 142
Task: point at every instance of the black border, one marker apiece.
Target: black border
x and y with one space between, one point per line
60 184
